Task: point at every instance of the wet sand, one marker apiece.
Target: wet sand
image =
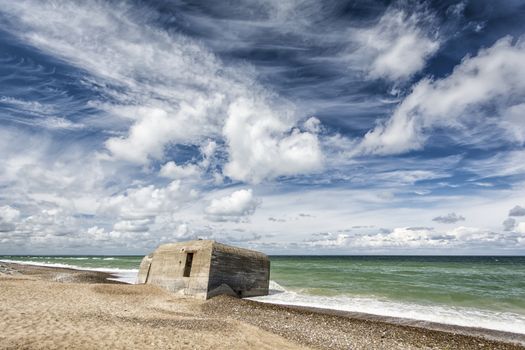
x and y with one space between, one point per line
54 308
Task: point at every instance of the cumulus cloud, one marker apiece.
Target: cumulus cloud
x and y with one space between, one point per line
139 234
8 213
43 229
509 224
517 211
450 218
520 228
96 233
262 144
312 125
174 171
141 225
416 238
148 201
399 44
48 223
156 127
495 77
8 218
235 207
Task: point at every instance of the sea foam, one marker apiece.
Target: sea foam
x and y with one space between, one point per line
122 275
459 316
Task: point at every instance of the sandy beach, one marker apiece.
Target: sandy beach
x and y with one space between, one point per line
55 308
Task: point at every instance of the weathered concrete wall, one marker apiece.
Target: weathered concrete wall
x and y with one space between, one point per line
144 268
215 269
245 271
167 268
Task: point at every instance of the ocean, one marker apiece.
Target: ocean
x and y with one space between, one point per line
472 291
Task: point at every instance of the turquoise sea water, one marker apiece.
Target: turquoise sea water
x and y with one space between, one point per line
486 292
495 283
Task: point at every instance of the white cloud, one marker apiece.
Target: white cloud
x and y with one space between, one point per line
208 150
96 233
156 127
416 238
40 174
407 176
514 122
312 125
139 234
42 115
504 163
174 171
399 45
148 201
234 207
8 214
394 48
59 123
520 228
49 228
141 225
263 144
495 76
8 218
171 89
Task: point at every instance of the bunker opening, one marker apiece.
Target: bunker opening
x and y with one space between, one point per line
187 266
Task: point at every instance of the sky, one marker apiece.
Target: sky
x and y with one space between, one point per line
290 127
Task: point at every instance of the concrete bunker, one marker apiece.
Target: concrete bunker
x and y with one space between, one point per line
205 268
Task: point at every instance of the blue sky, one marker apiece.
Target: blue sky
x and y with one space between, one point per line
292 127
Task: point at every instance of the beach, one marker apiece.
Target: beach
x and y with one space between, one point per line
50 308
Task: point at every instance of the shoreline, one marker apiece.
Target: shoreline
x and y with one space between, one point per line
493 334
117 274
486 333
306 326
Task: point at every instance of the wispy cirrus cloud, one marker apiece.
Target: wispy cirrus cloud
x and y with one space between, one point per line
399 45
168 87
123 125
491 80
